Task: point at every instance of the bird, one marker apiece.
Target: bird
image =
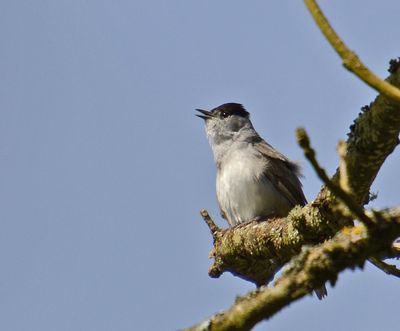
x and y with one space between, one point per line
254 181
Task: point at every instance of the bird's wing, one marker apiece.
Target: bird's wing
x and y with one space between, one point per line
282 173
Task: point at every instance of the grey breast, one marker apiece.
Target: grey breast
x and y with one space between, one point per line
255 181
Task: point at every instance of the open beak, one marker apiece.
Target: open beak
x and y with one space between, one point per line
206 114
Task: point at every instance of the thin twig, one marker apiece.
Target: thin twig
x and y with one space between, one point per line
358 211
350 59
210 223
390 269
344 177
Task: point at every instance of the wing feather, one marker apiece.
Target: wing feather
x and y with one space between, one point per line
282 173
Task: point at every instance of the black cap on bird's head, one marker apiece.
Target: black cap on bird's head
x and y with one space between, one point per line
225 110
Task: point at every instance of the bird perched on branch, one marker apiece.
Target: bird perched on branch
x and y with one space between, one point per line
254 180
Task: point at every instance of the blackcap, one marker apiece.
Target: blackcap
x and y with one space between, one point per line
254 180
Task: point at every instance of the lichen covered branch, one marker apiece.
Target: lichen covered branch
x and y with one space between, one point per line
349 248
256 250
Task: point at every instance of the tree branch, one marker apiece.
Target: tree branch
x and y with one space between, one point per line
350 59
210 223
372 138
256 250
347 199
385 267
312 268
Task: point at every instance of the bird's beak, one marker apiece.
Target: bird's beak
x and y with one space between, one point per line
206 114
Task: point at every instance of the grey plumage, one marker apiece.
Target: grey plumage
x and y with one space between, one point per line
254 180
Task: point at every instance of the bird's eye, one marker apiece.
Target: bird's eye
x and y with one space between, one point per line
224 114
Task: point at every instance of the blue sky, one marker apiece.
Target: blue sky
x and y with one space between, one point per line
104 166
